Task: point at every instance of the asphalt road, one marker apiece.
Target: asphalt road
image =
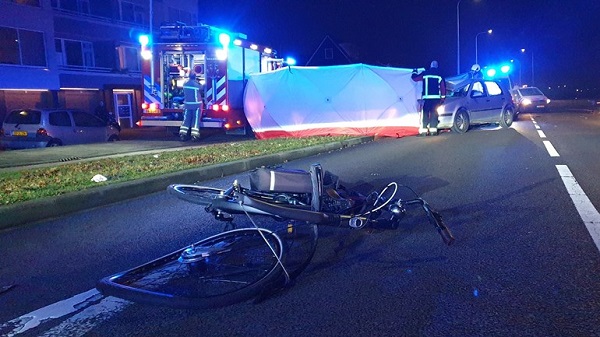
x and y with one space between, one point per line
524 263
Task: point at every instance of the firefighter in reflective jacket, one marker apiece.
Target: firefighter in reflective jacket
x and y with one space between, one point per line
192 92
433 94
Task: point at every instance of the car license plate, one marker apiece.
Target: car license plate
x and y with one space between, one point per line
20 133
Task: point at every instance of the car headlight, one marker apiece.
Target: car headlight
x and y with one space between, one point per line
547 100
526 101
440 109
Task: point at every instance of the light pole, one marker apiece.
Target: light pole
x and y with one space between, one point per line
489 31
532 72
150 19
458 37
520 71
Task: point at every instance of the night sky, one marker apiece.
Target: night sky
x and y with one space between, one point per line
563 36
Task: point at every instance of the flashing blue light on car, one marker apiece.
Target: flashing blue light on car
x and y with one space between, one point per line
290 61
224 39
505 69
144 39
491 72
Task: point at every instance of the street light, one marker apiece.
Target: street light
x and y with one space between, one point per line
489 31
532 73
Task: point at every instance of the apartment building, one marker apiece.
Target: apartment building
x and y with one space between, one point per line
76 53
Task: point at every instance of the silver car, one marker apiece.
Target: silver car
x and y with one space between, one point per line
29 128
475 101
530 99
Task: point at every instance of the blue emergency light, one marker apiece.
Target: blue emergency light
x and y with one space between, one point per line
290 61
144 39
505 69
224 39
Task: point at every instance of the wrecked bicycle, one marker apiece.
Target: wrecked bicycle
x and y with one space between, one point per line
240 264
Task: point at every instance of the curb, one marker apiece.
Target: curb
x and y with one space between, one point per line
53 207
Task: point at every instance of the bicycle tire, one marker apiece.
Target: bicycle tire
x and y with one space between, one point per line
195 194
238 267
300 242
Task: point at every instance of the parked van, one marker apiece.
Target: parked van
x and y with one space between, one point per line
30 128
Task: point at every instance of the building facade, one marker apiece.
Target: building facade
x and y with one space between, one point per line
76 53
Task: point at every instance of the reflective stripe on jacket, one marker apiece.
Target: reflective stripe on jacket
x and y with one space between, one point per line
432 87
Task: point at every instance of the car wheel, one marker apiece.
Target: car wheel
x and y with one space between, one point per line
507 118
113 138
54 143
461 121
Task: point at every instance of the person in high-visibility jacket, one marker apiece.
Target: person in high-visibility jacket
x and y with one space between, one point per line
192 92
433 94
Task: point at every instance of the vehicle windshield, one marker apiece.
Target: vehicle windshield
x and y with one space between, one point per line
530 92
23 117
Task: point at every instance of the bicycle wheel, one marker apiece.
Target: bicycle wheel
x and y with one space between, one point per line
195 194
227 268
300 241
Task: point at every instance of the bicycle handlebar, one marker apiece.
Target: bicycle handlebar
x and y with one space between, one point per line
443 230
436 219
322 218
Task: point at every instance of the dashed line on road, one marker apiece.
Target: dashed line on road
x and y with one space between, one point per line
588 213
585 208
551 150
549 147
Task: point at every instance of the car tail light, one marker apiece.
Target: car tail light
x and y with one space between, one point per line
145 106
216 107
42 132
225 107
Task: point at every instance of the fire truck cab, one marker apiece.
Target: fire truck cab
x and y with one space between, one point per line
221 62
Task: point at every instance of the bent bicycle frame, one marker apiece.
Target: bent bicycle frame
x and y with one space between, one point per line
239 200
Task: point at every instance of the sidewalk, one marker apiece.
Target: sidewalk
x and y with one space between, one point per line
48 208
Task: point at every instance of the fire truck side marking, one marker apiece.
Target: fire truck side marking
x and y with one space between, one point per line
148 97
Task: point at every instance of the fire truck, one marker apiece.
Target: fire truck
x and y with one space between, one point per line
221 61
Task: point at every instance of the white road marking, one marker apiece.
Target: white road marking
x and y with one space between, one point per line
551 150
86 320
585 208
83 302
535 124
542 134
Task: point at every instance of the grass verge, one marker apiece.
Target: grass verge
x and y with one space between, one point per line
37 183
